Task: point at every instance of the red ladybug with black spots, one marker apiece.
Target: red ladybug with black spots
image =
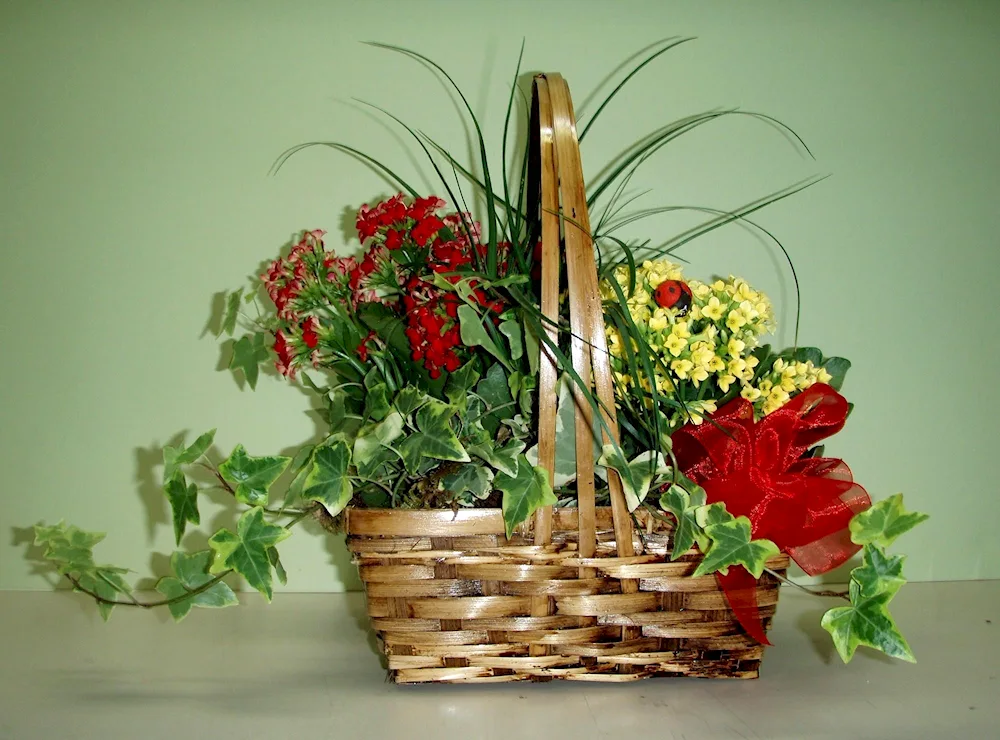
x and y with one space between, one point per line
673 294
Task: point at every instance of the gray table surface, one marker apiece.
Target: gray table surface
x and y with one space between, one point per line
304 667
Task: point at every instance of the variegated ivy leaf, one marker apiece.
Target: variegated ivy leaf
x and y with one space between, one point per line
502 458
523 493
476 479
328 481
190 574
377 402
174 457
183 499
884 522
867 620
637 474
300 466
712 514
252 477
409 400
245 551
435 438
70 549
460 382
731 545
371 447
684 505
565 468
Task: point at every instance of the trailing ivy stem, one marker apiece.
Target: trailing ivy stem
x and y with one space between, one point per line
831 594
148 604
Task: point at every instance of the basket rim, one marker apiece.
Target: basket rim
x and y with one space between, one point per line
450 523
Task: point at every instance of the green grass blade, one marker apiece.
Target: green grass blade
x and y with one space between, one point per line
371 161
673 42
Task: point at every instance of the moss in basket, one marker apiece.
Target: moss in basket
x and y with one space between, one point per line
423 352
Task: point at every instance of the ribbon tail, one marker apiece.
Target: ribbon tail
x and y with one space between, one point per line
740 589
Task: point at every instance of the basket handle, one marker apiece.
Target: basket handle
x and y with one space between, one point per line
555 178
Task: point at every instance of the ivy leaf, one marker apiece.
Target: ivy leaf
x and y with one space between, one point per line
377 402
683 506
636 474
70 549
476 479
174 457
460 382
502 458
474 335
301 465
183 499
279 569
494 390
252 476
867 620
371 445
436 439
523 492
410 399
731 545
228 325
248 352
884 522
512 330
713 514
246 550
190 574
328 481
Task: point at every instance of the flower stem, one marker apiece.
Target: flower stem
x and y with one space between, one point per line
831 594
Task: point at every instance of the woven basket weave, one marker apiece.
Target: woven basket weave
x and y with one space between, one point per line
576 593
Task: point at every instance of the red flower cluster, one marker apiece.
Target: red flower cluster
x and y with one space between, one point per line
408 244
439 245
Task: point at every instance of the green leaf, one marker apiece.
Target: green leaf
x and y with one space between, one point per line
183 499
279 569
512 330
494 390
460 383
636 474
69 548
410 399
248 352
884 522
683 506
377 402
252 476
476 479
731 545
837 367
174 457
436 439
715 513
105 584
532 347
190 574
371 447
523 492
503 459
301 465
867 620
328 481
474 335
232 312
246 550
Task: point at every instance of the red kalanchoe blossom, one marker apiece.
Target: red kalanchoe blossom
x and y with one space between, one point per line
393 239
363 347
309 332
286 357
425 229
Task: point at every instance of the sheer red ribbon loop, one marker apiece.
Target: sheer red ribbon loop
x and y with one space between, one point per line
756 469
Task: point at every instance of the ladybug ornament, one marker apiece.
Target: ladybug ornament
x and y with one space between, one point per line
673 294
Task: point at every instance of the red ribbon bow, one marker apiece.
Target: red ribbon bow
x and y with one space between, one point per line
757 470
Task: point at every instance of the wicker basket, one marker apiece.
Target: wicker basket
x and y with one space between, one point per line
577 593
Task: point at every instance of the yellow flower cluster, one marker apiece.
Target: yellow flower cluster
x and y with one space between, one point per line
785 380
711 343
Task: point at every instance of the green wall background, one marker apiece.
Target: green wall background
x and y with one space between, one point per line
136 138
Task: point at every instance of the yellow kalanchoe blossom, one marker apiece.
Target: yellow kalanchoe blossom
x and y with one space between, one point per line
707 351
